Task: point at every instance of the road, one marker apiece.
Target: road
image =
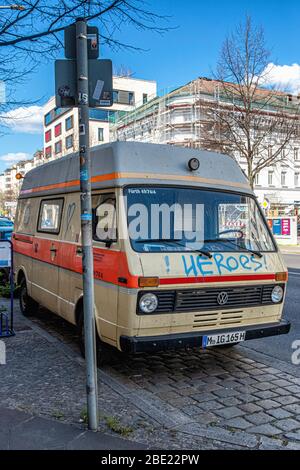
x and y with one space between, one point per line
280 347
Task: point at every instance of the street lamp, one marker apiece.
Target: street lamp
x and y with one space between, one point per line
12 7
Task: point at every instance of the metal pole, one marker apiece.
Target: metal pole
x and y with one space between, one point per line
86 223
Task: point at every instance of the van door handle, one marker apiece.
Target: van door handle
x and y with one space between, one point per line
53 249
79 251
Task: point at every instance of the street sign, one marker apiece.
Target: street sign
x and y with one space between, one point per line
92 42
100 84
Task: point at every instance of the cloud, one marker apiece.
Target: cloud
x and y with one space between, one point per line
24 120
285 77
14 157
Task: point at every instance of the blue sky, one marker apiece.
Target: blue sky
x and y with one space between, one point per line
178 56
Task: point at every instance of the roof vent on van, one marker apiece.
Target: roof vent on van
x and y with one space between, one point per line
193 164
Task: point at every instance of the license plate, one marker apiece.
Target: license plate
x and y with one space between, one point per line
224 338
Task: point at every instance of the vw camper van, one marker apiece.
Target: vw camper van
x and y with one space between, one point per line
157 286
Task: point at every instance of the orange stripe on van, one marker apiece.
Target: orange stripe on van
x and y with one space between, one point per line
109 266
113 176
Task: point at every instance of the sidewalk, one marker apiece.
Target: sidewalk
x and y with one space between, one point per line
22 431
200 399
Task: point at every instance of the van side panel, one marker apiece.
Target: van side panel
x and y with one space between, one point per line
106 262
70 277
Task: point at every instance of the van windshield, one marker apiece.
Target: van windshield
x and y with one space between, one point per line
164 219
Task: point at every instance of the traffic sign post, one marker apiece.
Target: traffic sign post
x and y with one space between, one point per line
83 81
86 223
100 83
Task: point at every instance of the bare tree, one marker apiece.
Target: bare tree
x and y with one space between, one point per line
123 71
256 121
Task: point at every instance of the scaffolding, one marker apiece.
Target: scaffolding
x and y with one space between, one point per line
188 116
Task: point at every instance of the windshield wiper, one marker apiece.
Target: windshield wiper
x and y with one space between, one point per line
176 241
226 240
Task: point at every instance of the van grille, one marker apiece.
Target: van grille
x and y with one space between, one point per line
199 300
218 318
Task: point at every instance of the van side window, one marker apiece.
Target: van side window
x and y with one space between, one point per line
104 217
23 216
50 215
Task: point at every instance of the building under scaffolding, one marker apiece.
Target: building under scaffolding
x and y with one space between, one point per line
189 116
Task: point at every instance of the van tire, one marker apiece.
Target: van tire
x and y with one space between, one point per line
104 352
28 306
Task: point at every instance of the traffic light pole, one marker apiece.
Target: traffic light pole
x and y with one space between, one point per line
86 223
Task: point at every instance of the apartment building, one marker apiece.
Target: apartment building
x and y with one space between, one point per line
2 183
61 124
187 117
10 185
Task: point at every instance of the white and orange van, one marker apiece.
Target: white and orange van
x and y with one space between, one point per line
152 291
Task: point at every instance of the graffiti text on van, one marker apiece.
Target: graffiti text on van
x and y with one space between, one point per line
195 265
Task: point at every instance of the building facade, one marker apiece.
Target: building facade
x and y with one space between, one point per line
10 185
61 124
187 117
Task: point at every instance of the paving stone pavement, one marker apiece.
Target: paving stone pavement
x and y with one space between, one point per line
217 398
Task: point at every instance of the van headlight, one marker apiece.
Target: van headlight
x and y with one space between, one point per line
148 303
277 294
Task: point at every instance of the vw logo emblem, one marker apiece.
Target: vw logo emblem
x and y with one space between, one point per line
222 298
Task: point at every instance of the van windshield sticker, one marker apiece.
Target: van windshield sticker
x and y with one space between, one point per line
141 191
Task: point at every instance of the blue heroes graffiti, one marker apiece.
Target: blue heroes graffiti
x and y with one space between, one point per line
195 265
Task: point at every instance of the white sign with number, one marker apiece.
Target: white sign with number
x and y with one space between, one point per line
5 255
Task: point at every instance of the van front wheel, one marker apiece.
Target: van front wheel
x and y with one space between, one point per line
28 306
104 352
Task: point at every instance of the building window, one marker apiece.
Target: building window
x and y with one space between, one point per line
115 96
257 178
100 134
48 152
296 154
53 114
102 115
69 141
48 136
270 151
270 178
48 118
297 179
58 147
57 130
123 97
283 178
145 98
69 123
131 98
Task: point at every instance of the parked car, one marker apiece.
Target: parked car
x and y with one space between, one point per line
6 228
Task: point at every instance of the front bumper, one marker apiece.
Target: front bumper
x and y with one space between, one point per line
137 344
